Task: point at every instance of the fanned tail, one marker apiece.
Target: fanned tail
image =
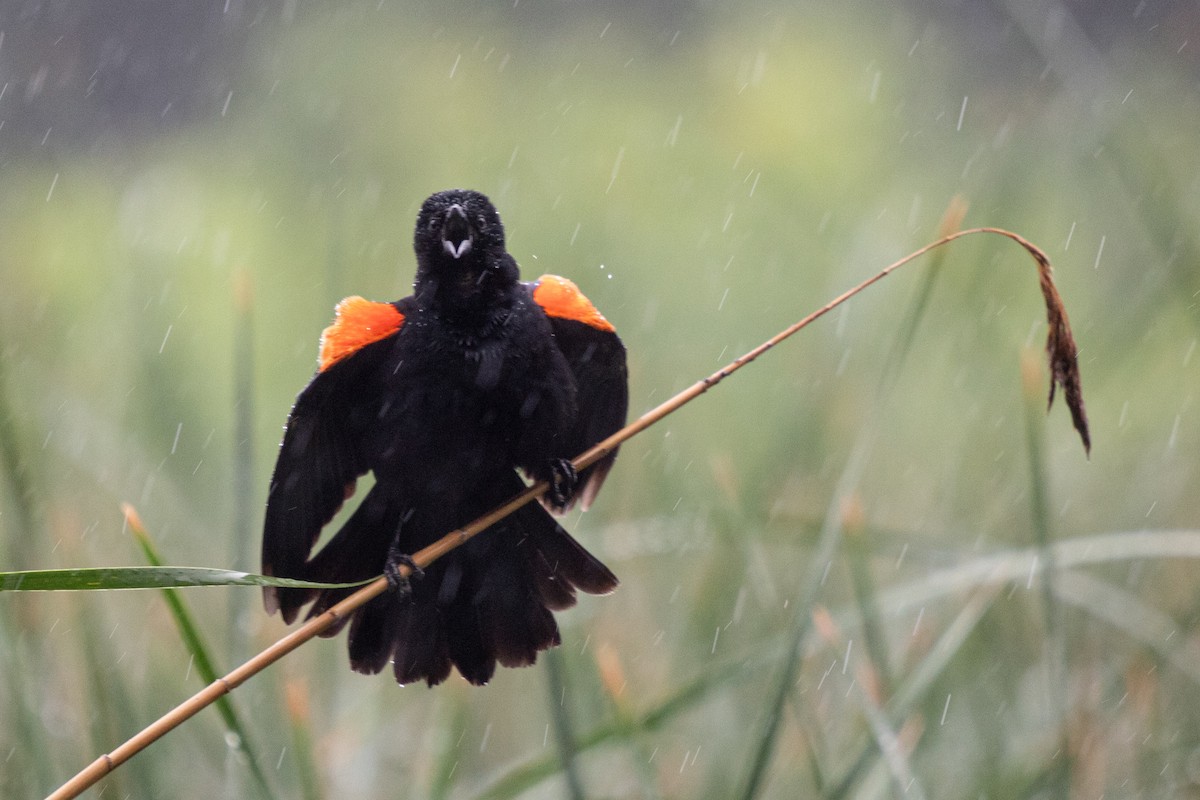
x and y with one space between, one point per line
487 602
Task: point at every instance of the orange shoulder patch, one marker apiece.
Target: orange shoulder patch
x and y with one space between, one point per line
561 298
357 322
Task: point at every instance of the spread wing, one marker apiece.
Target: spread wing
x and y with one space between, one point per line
597 360
319 459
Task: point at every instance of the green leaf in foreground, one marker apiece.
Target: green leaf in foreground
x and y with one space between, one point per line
74 580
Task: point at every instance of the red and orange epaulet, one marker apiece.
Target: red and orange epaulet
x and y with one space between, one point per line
357 323
561 298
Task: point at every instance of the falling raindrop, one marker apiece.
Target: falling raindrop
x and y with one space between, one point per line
616 168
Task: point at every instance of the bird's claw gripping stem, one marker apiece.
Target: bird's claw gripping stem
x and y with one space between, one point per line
397 581
562 479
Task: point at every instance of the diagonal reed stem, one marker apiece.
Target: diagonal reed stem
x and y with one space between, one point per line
1060 347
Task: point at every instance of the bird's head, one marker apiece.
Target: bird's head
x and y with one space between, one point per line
459 242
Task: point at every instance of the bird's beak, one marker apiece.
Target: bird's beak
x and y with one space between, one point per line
456 232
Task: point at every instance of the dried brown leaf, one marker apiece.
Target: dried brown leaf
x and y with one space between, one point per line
1060 343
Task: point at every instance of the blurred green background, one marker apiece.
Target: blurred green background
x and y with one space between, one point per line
186 189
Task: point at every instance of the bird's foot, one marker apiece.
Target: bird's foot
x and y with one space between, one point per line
562 479
397 581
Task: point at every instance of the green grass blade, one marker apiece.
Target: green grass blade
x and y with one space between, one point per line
31 767
92 578
609 674
858 557
907 333
888 745
764 748
827 546
1020 564
206 669
446 760
1132 616
981 579
1057 679
113 706
296 694
17 471
520 779
28 770
913 689
564 733
245 509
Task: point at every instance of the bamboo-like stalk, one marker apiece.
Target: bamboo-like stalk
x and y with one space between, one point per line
1060 347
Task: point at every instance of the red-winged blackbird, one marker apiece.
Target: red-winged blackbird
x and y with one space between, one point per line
443 396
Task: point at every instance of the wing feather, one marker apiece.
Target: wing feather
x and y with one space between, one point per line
597 360
319 459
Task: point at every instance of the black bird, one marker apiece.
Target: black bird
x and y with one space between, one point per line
444 395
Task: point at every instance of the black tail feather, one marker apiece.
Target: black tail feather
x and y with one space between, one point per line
488 601
465 641
372 634
570 563
421 652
